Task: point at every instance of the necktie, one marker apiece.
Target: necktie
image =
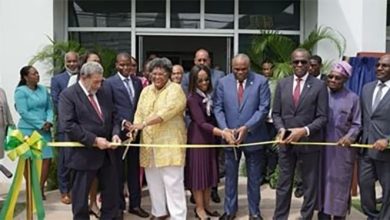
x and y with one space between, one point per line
297 92
378 96
240 92
128 88
95 106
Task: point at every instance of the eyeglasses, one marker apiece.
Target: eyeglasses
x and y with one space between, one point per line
296 62
384 65
203 80
331 76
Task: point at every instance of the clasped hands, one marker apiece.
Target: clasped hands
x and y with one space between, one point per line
235 136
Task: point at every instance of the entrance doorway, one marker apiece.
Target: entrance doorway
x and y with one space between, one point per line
181 49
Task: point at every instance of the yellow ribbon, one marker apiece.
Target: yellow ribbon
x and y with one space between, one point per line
33 143
126 144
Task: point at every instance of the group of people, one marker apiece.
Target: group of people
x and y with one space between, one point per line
166 106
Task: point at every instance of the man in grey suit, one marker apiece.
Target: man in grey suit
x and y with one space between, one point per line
241 105
300 111
374 163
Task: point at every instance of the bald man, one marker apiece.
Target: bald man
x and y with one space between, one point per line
202 57
242 102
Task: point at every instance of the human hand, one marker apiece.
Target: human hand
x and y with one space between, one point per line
280 135
102 143
115 140
241 134
381 144
47 126
127 124
296 135
344 142
228 135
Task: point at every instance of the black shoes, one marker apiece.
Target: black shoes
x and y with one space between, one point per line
255 217
226 216
215 196
139 212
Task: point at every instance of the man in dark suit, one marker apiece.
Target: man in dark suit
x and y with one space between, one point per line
241 106
300 111
374 163
126 89
315 65
87 114
59 83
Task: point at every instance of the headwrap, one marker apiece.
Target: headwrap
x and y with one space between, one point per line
343 68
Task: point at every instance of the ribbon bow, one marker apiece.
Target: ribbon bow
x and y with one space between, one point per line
26 148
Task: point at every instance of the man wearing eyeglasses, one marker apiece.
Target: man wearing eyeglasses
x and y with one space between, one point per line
300 111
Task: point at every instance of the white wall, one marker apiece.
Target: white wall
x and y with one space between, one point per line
361 22
23 29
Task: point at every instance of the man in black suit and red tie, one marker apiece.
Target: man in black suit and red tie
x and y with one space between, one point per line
300 111
87 114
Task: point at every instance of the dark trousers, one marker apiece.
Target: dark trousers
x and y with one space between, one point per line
129 169
107 178
271 158
254 165
63 172
371 170
288 158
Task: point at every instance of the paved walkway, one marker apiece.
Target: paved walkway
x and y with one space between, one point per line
57 211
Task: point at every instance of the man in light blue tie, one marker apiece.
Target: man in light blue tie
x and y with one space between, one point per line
126 89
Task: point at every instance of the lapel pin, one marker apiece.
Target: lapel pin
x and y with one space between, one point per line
251 82
308 86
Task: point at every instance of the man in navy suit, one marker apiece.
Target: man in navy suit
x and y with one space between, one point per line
87 116
59 82
242 102
126 89
300 112
374 163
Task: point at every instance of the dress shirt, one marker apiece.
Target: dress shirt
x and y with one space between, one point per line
130 85
243 84
87 94
384 89
303 81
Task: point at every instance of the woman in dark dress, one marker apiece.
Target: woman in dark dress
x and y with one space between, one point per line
201 165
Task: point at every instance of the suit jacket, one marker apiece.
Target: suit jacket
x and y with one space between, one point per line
82 124
376 124
124 108
311 111
215 76
59 83
253 110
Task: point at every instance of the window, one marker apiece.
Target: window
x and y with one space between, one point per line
268 14
219 14
150 13
185 13
99 13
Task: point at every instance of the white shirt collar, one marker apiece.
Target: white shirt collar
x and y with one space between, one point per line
83 88
387 83
303 78
123 78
